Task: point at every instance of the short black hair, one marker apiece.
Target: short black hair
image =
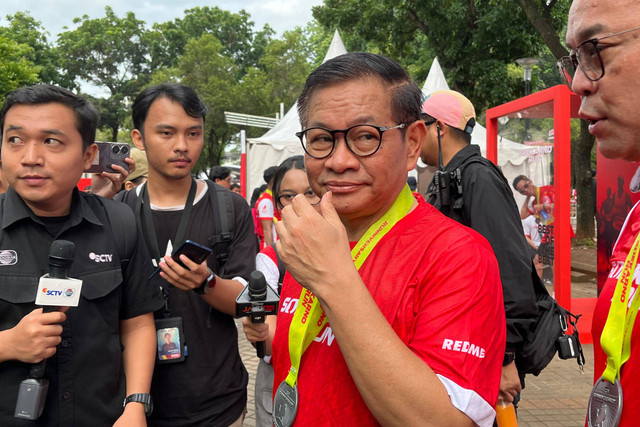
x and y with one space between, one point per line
256 194
517 179
219 172
293 162
183 95
234 186
86 114
268 173
406 97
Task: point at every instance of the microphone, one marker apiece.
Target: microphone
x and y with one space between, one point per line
55 290
257 300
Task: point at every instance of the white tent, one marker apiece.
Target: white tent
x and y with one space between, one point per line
281 142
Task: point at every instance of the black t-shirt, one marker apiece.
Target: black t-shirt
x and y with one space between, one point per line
87 384
210 386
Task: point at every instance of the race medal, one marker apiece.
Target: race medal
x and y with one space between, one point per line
605 404
285 405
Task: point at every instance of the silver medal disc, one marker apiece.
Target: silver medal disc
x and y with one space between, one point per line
605 404
285 405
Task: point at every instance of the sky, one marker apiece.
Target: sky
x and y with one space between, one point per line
281 15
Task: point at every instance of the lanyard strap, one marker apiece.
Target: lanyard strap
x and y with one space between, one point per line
149 230
309 317
616 334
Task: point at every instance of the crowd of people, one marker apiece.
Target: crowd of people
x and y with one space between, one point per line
395 308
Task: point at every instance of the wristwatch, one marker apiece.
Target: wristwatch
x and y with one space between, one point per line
211 281
144 398
509 356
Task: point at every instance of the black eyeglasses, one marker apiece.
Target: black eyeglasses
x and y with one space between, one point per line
362 140
587 56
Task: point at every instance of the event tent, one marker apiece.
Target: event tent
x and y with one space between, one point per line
280 141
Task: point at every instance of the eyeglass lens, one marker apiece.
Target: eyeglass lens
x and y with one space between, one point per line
363 140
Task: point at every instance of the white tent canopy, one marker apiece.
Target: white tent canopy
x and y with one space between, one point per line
280 142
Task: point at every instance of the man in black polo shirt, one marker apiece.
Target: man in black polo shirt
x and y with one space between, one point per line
209 385
102 350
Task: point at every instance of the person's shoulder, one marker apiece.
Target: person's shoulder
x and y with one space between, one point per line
110 207
127 196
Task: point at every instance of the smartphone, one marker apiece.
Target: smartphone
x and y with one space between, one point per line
194 251
110 153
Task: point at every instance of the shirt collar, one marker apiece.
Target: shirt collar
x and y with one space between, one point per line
15 209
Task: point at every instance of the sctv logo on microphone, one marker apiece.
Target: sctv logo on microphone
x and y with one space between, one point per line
56 293
101 258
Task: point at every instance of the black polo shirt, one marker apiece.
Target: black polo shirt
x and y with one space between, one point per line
87 384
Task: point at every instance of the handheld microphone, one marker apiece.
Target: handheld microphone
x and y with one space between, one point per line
54 290
258 301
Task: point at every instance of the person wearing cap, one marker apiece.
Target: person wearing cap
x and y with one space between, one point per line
474 192
141 169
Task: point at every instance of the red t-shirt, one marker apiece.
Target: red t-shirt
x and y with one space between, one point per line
437 284
630 371
265 211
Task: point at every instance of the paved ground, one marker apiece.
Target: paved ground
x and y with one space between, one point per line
557 397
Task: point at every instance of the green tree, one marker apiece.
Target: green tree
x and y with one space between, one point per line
24 29
111 53
549 19
233 30
15 69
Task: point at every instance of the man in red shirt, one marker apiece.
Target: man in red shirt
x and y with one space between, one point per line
401 320
604 38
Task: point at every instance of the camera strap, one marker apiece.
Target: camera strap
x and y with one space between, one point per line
309 318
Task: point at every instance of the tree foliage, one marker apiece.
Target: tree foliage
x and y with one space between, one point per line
111 53
15 69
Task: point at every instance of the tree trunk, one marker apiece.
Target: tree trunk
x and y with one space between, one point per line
114 133
542 24
581 160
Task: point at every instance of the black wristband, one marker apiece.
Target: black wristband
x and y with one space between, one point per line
200 289
509 357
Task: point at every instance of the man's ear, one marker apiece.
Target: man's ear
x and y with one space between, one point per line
89 154
414 138
138 139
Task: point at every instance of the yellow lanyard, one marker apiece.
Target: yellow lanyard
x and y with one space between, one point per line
309 318
617 331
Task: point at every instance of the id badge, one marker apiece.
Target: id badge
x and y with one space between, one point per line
171 340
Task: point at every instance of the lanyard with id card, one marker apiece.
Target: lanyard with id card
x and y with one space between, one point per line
171 339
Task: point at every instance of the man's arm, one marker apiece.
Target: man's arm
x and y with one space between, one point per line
398 386
138 336
267 230
524 210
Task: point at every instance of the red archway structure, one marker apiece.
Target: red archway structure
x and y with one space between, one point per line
560 104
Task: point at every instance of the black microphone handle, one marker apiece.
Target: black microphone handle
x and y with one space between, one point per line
260 349
37 369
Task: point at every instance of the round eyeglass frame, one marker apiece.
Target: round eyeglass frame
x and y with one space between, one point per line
381 130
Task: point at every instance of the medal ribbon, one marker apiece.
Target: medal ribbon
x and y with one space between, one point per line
309 317
616 334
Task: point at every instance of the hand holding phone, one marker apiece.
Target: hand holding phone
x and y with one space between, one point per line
110 153
194 251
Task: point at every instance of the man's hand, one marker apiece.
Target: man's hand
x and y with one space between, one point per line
185 279
509 382
35 337
255 331
133 415
107 184
314 246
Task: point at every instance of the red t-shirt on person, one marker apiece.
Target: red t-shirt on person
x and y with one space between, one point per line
630 371
437 284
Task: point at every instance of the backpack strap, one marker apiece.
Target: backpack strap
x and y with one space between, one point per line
123 227
221 241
